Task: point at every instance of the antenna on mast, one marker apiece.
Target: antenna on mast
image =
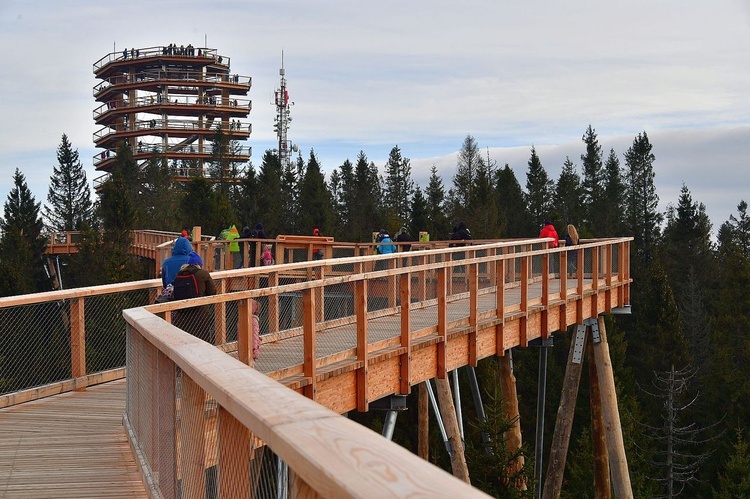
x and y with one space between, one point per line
283 118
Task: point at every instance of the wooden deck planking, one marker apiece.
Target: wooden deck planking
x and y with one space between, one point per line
70 445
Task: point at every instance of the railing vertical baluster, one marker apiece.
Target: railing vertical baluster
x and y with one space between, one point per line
233 457
77 338
165 464
442 321
245 332
192 438
360 310
273 304
308 327
544 315
522 322
473 312
500 306
220 314
405 361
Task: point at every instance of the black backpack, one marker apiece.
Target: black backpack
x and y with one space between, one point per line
185 284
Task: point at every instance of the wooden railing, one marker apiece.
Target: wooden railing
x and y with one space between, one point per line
84 322
437 301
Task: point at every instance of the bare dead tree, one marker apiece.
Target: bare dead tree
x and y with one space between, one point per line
679 446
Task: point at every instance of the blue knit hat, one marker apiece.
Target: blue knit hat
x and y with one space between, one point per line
194 259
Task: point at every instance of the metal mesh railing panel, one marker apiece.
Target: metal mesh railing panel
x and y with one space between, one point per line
192 447
34 345
105 328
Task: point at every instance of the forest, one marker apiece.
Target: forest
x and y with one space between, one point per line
680 358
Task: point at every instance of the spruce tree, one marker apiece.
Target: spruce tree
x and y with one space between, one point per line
642 217
569 195
69 203
539 190
273 197
315 199
613 204
438 225
469 159
593 182
398 188
483 212
22 243
365 208
734 480
160 195
419 214
513 210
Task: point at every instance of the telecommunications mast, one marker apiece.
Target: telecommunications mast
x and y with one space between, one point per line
283 118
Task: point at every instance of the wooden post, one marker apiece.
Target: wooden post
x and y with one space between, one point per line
166 437
565 413
308 341
442 319
245 332
193 432
220 315
615 444
273 304
423 426
77 338
448 412
473 271
360 309
405 358
602 486
233 456
510 406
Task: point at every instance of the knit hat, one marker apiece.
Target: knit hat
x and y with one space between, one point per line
184 233
194 259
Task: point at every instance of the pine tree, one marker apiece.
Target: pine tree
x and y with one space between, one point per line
642 217
160 195
484 211
399 186
539 189
512 204
419 213
613 205
315 198
569 195
688 256
118 218
274 200
69 197
730 334
593 181
22 244
438 225
364 206
734 481
679 443
461 194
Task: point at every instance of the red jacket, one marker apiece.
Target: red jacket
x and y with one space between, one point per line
549 231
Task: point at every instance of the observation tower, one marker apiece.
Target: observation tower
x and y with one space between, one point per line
177 102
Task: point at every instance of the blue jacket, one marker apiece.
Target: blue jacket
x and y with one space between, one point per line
385 249
171 265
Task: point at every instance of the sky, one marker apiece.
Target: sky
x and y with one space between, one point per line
369 76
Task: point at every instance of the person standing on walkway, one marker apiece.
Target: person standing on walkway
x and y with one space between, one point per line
171 265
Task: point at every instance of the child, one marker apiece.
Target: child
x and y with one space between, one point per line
266 258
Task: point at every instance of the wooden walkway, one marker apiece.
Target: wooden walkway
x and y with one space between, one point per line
74 444
70 445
